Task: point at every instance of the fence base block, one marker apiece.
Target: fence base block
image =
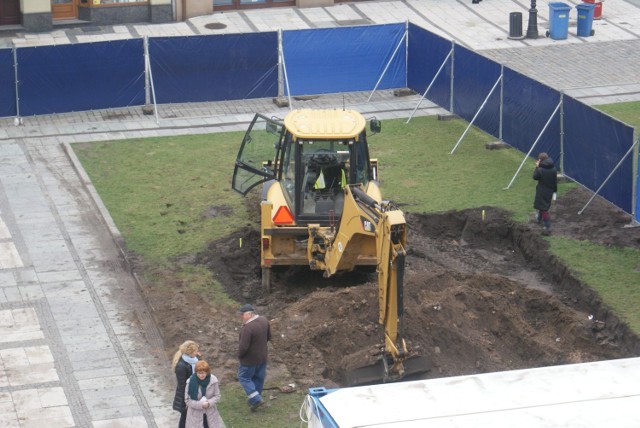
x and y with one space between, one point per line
564 179
447 116
281 102
403 92
497 145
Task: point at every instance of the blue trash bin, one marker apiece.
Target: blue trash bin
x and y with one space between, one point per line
585 19
558 21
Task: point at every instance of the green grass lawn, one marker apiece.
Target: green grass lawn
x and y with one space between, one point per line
282 410
160 191
170 196
629 113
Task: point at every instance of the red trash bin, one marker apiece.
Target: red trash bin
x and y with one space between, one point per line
597 11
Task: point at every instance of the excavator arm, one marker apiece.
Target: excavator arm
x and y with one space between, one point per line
391 241
365 217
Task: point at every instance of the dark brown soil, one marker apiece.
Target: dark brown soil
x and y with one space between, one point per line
480 296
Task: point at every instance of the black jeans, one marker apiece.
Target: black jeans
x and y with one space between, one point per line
183 420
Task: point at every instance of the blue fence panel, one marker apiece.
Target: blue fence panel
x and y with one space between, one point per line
80 77
214 67
427 52
7 84
527 106
474 76
594 143
638 190
345 59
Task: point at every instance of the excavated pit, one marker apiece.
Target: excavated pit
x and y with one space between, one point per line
481 295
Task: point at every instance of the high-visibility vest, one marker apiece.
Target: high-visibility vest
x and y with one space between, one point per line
320 183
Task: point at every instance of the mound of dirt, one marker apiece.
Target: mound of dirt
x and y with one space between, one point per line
482 294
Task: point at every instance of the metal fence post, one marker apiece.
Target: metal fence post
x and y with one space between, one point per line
147 86
280 78
635 215
18 119
501 102
406 55
562 132
453 61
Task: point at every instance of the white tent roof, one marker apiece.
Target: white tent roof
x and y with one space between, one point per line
605 393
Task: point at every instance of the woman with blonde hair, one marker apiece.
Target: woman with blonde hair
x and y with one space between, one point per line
202 394
183 364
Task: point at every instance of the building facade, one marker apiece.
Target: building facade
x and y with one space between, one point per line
43 15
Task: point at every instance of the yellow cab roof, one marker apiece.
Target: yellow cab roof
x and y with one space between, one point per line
310 123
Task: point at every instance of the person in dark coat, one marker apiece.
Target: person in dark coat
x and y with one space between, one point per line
547 177
184 362
252 353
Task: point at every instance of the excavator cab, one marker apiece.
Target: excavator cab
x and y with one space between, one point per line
313 155
304 163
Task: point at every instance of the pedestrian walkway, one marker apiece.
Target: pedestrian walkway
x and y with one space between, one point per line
78 345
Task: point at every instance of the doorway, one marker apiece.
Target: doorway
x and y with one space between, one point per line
9 12
64 9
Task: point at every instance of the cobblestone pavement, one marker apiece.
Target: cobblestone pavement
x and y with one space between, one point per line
78 346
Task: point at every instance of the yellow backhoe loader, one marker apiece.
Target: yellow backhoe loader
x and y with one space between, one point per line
322 208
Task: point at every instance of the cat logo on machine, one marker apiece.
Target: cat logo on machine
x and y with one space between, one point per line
366 224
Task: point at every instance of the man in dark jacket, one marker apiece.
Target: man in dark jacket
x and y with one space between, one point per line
252 353
547 177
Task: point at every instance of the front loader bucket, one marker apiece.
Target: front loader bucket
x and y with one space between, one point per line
378 372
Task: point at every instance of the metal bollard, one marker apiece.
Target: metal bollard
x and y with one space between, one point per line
515 25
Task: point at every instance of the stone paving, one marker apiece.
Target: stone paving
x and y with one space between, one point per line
78 346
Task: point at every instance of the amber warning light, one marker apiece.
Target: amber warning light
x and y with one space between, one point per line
283 216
